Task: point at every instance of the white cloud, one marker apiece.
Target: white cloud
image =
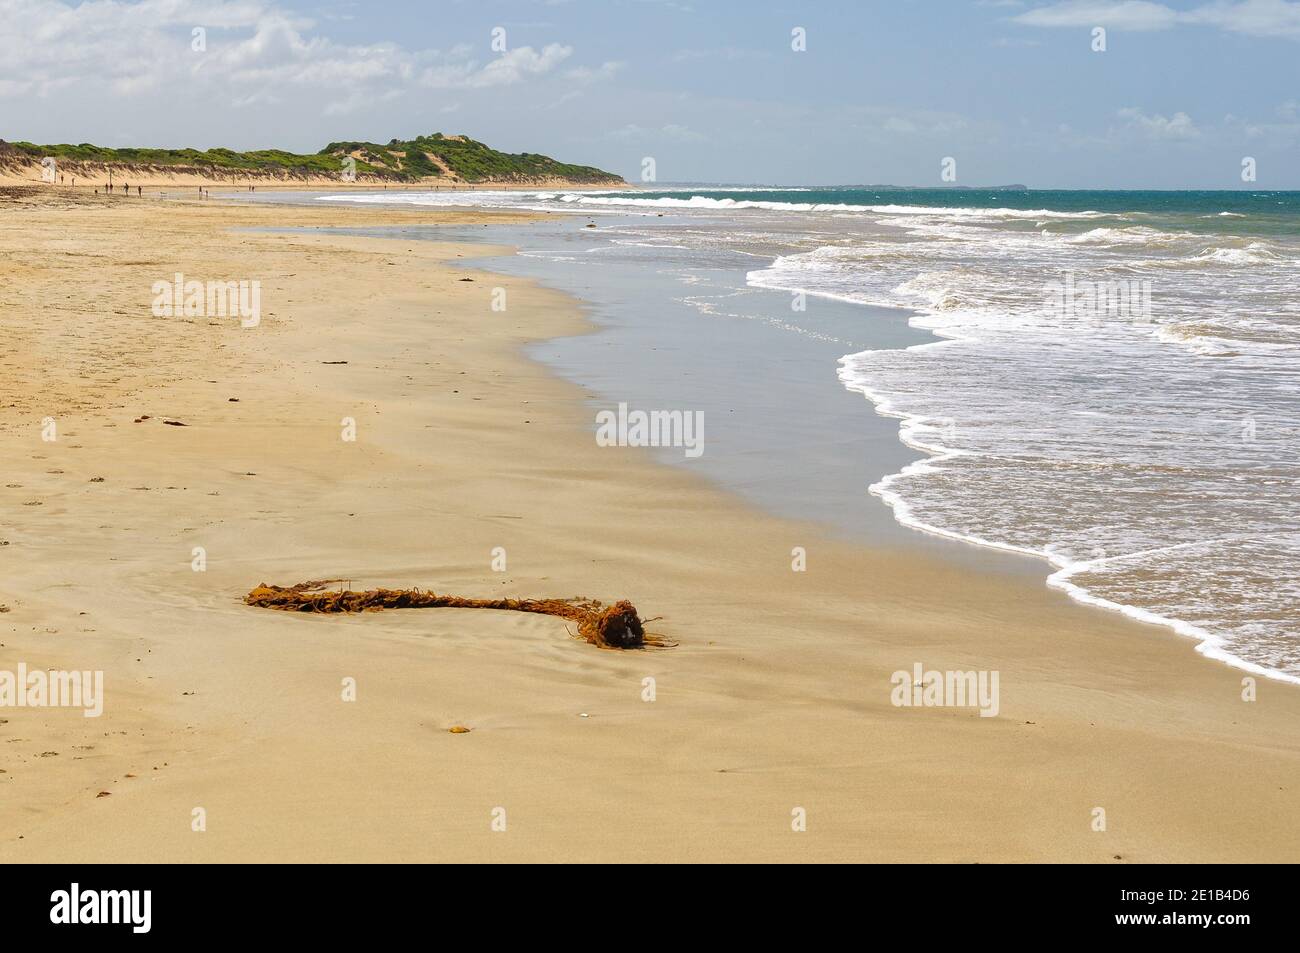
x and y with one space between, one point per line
721 54
897 124
255 53
566 97
1250 17
671 131
587 74
680 133
1283 134
1178 126
519 64
1121 15
924 123
357 100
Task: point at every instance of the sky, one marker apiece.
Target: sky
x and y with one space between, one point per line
882 91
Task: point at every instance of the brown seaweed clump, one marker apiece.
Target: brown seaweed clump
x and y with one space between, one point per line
616 627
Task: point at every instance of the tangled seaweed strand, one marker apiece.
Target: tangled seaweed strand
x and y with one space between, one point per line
617 626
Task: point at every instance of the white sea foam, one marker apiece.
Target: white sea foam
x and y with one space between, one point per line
1131 235
1255 252
704 202
1155 464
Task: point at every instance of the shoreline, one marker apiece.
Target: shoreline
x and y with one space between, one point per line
1054 574
777 695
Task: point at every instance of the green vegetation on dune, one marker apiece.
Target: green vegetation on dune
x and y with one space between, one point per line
453 158
270 160
471 161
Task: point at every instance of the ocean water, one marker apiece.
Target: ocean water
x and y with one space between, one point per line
1113 382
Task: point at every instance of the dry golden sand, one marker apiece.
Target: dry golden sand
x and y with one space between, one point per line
777 697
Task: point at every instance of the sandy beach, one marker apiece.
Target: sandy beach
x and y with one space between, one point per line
777 696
